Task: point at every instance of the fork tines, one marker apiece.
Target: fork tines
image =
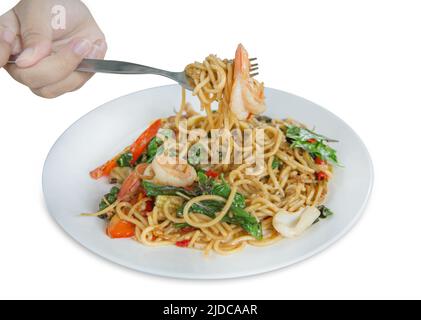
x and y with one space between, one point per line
254 67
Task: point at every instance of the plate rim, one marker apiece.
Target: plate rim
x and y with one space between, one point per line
233 275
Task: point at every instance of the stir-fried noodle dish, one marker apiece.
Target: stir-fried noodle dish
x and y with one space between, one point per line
220 179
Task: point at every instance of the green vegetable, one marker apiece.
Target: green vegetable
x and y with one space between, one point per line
298 133
224 190
205 183
181 225
276 164
247 221
125 160
237 215
154 148
202 177
110 197
207 207
311 142
325 212
153 190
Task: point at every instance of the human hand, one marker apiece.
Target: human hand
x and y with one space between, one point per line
48 56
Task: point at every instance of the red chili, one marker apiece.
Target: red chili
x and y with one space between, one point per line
319 161
211 174
187 230
321 176
149 205
312 140
183 243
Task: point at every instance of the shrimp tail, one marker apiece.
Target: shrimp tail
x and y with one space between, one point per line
242 62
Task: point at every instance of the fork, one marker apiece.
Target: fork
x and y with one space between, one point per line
121 67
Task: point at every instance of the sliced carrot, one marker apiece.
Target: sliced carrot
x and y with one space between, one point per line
118 228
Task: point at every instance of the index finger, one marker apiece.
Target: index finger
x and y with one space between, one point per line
6 40
8 30
53 68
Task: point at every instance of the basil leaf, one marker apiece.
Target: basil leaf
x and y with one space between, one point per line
114 190
205 183
247 221
153 190
298 133
125 160
181 225
277 163
154 148
237 216
325 212
210 208
223 189
111 197
311 142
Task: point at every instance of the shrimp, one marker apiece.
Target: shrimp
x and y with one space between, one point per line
247 97
168 173
132 185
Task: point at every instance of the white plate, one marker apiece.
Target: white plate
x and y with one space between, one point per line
100 134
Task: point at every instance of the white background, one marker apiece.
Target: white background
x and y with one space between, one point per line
359 59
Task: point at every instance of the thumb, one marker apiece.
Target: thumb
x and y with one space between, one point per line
36 35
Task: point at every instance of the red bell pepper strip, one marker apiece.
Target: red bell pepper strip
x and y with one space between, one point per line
136 149
321 176
183 243
142 142
319 161
211 174
149 206
104 170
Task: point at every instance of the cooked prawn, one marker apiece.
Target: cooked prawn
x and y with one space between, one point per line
168 173
247 97
132 185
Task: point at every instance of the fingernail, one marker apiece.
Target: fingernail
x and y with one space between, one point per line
93 53
102 45
99 47
16 47
82 47
8 36
26 55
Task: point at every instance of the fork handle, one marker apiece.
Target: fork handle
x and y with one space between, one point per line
115 67
119 67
